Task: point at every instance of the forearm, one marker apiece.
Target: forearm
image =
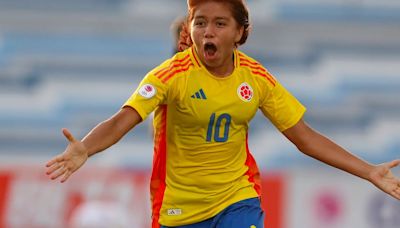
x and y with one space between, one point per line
315 145
101 137
323 149
110 131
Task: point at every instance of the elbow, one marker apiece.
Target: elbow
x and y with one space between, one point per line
307 144
303 147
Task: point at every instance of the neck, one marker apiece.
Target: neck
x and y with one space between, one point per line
223 69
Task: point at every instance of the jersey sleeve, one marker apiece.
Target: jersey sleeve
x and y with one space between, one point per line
150 93
281 107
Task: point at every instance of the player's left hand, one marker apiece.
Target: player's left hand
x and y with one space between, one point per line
74 156
382 177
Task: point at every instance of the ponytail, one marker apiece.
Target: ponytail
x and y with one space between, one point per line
184 41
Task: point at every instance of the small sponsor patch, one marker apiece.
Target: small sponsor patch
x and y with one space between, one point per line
147 91
175 211
245 92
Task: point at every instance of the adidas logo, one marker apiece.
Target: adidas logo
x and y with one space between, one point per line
199 95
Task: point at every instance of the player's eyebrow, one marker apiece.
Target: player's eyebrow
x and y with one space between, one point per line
200 17
217 18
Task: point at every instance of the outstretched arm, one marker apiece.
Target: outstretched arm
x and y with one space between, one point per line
321 148
100 138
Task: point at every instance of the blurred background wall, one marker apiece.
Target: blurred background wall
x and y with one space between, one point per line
73 64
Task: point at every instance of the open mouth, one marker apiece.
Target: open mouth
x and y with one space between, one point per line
210 49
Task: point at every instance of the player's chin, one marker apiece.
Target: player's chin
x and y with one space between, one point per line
213 62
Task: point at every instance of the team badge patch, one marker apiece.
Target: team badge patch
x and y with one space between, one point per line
245 92
147 91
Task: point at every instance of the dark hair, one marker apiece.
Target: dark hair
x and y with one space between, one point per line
238 9
176 29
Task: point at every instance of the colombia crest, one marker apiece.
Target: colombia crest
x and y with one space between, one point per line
245 92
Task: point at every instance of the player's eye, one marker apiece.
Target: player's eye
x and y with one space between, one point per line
221 24
200 23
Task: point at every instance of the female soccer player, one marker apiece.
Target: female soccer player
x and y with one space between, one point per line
203 99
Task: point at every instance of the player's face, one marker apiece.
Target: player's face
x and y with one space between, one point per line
215 32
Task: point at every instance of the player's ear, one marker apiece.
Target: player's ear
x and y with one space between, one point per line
239 34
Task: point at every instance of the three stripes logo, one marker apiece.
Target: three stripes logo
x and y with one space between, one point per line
199 95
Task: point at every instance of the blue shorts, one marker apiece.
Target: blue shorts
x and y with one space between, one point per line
243 214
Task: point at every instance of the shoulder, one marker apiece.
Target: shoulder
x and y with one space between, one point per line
255 68
246 58
171 68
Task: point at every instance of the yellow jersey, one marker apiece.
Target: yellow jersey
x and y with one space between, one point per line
202 163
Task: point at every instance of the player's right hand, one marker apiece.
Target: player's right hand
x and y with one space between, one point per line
74 156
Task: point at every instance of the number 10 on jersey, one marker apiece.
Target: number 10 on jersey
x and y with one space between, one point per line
214 128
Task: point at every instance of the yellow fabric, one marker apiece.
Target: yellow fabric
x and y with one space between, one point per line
207 122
